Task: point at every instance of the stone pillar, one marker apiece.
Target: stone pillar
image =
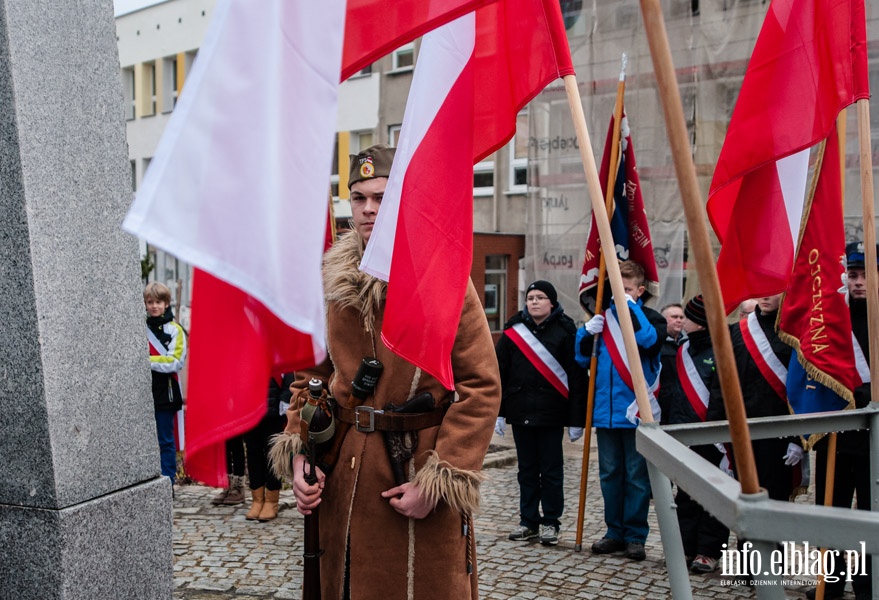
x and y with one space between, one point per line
84 512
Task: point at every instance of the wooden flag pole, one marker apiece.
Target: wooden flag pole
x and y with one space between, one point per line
700 246
613 165
866 160
607 248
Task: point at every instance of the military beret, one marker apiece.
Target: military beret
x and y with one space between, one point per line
373 162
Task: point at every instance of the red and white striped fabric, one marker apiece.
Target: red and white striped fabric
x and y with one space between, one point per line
693 386
761 352
472 78
540 357
616 350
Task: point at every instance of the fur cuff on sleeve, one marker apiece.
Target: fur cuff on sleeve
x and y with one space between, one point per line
284 447
458 488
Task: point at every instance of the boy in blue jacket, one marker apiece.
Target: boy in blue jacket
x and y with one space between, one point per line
625 485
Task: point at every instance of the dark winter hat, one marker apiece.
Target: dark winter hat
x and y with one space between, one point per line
547 288
695 311
854 255
373 162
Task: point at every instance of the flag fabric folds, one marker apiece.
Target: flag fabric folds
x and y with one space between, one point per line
814 318
473 77
809 62
374 28
238 188
628 221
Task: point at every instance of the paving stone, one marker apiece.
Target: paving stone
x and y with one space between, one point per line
219 555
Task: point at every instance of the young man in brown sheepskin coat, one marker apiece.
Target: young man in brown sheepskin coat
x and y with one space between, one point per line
413 540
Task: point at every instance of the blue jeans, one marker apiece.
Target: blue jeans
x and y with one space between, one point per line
625 485
541 474
167 449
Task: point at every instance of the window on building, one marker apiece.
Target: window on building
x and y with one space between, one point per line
128 92
133 165
496 290
518 152
403 58
361 140
149 88
367 70
483 178
169 83
394 135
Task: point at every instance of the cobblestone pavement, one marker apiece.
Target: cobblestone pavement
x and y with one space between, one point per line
220 555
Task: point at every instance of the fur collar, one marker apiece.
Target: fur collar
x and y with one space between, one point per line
347 286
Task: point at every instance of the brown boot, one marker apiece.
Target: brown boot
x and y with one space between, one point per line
270 508
220 498
258 497
236 491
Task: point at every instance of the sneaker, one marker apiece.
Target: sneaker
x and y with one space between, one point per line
608 545
703 564
635 551
549 535
522 533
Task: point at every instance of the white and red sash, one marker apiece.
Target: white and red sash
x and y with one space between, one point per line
860 362
616 350
773 371
692 384
697 394
540 357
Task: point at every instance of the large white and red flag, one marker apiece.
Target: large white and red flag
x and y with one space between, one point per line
472 78
814 317
238 188
809 62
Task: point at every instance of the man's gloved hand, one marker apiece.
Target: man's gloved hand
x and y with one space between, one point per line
500 427
575 433
794 455
595 325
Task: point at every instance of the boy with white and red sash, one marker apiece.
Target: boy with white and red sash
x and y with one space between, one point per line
852 473
543 391
625 485
762 359
686 392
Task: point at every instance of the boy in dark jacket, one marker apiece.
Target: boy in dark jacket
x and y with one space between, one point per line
687 394
543 391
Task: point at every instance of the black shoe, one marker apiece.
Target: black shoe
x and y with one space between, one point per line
635 551
608 545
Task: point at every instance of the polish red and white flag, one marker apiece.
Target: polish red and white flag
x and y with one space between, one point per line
809 62
238 188
472 78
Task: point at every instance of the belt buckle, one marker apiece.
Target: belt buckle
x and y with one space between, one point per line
368 428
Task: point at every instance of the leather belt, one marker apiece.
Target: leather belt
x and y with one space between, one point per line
366 419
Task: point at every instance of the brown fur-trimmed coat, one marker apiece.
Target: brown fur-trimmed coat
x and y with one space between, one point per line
392 556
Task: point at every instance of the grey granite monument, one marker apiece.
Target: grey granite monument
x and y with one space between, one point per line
84 512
